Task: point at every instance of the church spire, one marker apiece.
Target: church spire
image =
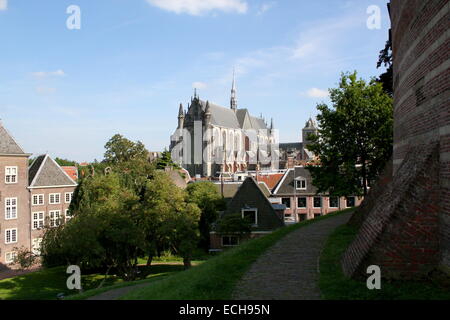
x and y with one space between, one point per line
233 101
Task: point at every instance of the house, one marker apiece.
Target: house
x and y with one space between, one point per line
14 197
251 200
296 191
51 191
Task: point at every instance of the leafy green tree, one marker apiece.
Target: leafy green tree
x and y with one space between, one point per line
165 161
206 196
234 224
65 162
386 78
355 137
120 149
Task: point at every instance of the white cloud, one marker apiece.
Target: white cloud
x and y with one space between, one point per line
200 7
265 7
317 93
199 85
45 90
3 5
44 74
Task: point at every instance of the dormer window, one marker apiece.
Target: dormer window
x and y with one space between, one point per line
300 183
251 215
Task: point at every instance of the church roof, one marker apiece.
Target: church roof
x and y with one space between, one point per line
228 118
7 143
45 172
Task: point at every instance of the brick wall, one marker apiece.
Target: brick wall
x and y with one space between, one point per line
406 227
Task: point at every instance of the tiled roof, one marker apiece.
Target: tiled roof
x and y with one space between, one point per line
286 185
71 171
271 180
45 172
7 143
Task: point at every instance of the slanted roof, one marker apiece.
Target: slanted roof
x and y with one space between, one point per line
8 145
251 195
220 116
45 172
287 187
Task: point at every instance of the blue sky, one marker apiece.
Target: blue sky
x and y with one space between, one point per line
66 92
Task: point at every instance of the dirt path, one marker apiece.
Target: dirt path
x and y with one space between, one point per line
289 270
117 293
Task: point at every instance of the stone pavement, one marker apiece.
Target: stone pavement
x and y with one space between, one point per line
290 269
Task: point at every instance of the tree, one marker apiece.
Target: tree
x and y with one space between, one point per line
208 199
165 161
234 224
386 78
65 162
120 149
354 139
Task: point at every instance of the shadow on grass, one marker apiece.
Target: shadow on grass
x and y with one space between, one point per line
46 284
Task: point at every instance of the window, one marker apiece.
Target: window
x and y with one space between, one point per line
300 184
55 218
286 202
68 197
301 202
303 217
36 246
37 220
10 257
251 215
54 198
334 202
230 241
350 202
10 208
317 202
10 236
38 200
68 216
10 175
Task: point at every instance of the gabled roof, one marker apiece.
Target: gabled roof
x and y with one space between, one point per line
7 143
45 172
286 185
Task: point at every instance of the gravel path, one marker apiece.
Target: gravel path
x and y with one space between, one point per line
289 269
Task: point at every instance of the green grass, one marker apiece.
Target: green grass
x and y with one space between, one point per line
47 283
216 278
335 286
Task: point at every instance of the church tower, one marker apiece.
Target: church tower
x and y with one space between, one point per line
181 117
310 128
233 101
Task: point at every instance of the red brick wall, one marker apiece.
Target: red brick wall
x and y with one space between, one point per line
421 91
406 230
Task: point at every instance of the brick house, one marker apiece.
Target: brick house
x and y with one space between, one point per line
51 191
14 197
251 200
296 191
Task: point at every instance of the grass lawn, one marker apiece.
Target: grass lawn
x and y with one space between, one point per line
335 286
47 283
215 278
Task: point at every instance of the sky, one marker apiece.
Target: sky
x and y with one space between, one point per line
66 91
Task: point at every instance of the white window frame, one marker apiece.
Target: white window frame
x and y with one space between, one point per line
15 176
299 180
54 221
55 195
70 194
290 202
36 251
321 203
338 203
254 210
10 207
230 245
11 235
39 220
346 202
40 200
306 203
66 215
12 255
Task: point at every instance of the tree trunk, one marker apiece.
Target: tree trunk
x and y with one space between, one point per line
187 263
104 279
149 261
364 174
